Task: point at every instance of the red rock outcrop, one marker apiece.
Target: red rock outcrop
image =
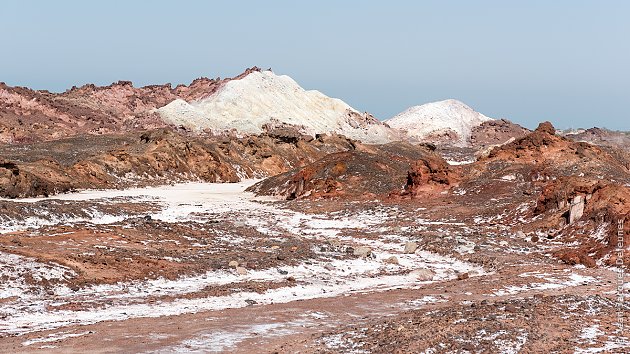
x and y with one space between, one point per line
602 137
596 233
428 174
395 170
542 154
583 190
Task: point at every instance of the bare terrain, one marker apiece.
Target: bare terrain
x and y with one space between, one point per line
121 232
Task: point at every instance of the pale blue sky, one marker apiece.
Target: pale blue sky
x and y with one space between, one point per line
528 61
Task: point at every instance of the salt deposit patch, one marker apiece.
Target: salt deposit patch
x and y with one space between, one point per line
325 277
223 341
552 283
15 270
318 282
55 337
178 202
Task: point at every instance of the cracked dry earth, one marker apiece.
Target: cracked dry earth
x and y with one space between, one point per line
205 267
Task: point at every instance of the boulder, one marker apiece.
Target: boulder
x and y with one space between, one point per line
241 270
410 247
362 251
391 260
422 274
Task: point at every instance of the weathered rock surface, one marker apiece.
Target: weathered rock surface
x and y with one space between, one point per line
154 157
602 137
362 251
494 132
600 205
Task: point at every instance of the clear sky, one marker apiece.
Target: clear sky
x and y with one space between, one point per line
528 61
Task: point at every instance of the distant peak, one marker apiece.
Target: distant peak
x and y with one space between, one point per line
440 118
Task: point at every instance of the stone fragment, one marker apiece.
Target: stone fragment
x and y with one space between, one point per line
362 251
392 260
241 270
422 274
410 247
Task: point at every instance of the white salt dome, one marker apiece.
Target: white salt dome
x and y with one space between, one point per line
420 122
263 97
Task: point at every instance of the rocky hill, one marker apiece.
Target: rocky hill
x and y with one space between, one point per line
583 190
262 99
254 102
448 121
601 136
